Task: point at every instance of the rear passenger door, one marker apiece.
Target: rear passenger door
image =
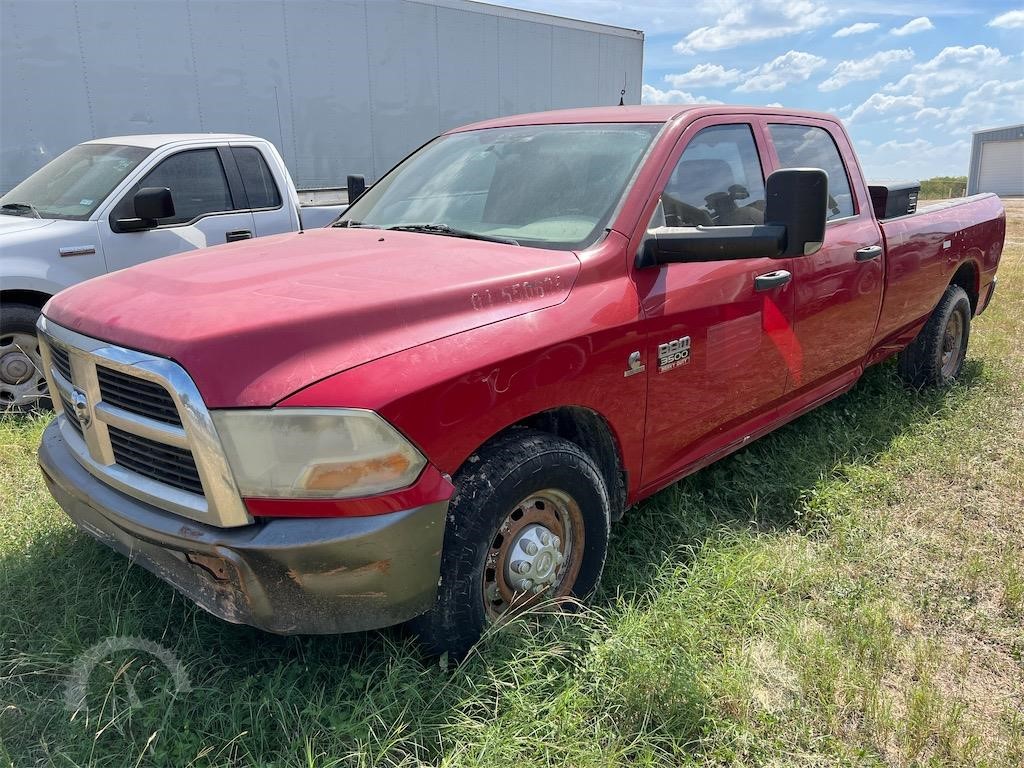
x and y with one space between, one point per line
839 288
207 209
263 195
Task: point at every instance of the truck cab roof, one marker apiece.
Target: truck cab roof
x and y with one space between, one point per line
642 113
157 140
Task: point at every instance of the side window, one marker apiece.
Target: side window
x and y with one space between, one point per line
718 181
197 183
256 178
806 146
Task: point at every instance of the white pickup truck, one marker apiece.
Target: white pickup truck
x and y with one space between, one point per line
112 203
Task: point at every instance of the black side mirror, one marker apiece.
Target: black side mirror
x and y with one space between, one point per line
795 209
355 186
797 198
150 203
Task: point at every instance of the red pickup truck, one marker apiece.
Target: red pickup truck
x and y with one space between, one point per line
432 411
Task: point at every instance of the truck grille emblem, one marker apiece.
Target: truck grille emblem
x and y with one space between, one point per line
81 405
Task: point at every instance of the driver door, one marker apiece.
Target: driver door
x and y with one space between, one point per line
717 336
205 211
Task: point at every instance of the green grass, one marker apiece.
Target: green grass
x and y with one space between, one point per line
847 591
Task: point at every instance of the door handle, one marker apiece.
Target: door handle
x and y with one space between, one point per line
238 234
771 280
869 253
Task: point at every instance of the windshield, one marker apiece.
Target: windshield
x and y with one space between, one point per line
73 185
552 186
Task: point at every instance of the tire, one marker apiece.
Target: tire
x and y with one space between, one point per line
22 382
936 357
507 496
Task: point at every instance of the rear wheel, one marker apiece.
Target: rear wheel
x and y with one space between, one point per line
22 381
528 525
936 357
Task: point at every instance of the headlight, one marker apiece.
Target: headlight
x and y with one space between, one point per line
321 453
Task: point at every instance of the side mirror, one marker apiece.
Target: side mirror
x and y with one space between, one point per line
355 186
150 203
797 198
796 201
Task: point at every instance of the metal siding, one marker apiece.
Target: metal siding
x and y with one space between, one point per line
467 93
1006 133
340 86
45 103
575 67
331 88
1002 167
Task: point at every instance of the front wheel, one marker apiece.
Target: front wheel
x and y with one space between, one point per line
528 524
936 357
22 381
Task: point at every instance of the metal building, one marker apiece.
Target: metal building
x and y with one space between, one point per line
340 86
997 161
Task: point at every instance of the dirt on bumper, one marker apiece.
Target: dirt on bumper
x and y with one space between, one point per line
297 576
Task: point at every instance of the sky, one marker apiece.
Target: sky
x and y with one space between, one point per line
911 81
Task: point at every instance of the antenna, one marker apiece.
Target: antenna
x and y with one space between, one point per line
622 93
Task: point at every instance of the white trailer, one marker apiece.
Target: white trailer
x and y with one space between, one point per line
340 86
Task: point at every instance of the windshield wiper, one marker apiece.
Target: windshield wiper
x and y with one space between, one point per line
349 224
444 229
20 209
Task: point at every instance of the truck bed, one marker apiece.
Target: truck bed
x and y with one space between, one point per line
320 206
923 250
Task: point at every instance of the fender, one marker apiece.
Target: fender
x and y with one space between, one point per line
29 283
485 380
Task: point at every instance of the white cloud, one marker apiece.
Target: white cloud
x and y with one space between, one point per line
773 104
742 22
856 29
704 76
953 69
852 70
912 27
1008 20
651 95
880 105
914 159
790 67
993 103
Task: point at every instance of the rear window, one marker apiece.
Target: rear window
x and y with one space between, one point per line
259 183
807 146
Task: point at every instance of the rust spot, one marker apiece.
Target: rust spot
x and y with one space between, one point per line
213 565
381 566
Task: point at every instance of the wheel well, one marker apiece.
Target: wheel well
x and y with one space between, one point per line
32 298
966 277
591 432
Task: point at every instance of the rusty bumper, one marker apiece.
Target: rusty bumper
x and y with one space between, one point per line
292 576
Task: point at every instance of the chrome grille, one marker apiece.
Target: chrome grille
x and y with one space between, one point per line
163 463
138 396
71 420
61 362
140 426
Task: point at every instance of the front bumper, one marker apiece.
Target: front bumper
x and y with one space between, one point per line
296 576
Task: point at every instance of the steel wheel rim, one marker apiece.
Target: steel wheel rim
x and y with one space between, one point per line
554 512
22 381
952 341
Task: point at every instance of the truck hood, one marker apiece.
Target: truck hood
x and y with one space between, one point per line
255 321
11 225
